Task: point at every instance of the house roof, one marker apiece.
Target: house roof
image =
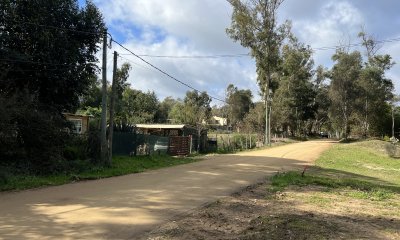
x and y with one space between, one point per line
161 126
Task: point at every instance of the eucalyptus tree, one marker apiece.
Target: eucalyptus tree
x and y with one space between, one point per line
344 90
294 98
376 88
322 101
254 25
239 103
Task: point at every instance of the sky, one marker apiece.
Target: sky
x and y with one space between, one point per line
197 28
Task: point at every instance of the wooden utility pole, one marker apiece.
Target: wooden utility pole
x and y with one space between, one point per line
103 133
112 103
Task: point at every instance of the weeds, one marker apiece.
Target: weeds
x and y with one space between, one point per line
359 189
121 165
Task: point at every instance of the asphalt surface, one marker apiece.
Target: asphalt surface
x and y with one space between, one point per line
128 206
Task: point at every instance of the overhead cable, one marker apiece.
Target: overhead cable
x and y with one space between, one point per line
165 73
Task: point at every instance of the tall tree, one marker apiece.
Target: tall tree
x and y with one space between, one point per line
48 48
254 121
239 104
344 90
322 101
137 107
162 115
48 51
376 88
254 25
294 98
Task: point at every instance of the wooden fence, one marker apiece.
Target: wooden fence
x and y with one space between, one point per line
179 146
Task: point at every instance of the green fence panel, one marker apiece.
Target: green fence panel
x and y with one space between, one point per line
157 144
125 143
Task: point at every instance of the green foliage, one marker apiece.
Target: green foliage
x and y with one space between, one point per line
254 25
48 49
76 148
136 107
322 101
294 100
164 109
52 63
83 170
343 90
32 138
360 92
239 104
194 109
386 138
254 121
92 98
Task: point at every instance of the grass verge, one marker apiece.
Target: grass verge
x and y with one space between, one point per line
122 165
364 167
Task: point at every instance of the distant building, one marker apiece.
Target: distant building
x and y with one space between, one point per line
80 123
220 120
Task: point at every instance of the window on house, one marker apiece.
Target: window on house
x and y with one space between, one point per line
76 125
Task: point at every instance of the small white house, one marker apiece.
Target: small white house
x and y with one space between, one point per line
220 120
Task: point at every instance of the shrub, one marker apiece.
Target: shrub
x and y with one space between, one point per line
32 136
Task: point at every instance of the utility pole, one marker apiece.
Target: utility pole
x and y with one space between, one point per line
112 103
103 133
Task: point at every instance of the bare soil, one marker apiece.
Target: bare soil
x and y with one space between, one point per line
309 212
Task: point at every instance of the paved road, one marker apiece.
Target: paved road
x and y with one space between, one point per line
126 207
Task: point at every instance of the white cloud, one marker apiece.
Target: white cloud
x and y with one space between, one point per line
336 23
394 74
192 27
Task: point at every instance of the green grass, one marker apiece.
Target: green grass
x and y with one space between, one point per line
122 165
367 160
359 170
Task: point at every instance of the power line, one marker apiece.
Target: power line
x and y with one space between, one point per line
165 73
134 63
355 44
236 55
195 56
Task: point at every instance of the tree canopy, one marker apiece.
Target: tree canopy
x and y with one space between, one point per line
48 48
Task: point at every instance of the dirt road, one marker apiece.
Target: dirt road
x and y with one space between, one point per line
126 207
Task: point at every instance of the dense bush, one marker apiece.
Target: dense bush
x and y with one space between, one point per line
32 137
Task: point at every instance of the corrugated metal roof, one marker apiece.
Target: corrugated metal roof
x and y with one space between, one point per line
161 126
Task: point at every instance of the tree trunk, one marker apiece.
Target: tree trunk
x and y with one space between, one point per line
250 141
366 117
269 123
345 120
266 141
392 121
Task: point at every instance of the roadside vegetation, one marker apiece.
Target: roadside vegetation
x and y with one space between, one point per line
352 192
83 170
236 142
